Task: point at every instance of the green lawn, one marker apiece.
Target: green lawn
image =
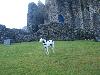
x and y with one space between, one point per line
70 58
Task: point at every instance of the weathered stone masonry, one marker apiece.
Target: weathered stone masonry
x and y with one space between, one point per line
72 15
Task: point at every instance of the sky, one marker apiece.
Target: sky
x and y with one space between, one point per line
13 13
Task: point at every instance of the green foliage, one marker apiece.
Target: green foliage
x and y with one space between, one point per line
70 58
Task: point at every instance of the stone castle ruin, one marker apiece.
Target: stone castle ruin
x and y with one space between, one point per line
57 20
65 19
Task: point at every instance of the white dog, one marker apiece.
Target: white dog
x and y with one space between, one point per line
49 43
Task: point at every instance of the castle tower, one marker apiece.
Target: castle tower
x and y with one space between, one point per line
51 9
31 20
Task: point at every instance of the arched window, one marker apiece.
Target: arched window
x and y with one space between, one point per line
61 18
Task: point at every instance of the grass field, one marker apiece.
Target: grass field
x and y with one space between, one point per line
70 58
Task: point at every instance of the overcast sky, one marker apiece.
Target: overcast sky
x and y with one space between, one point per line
13 13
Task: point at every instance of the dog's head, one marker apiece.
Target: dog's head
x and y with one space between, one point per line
41 40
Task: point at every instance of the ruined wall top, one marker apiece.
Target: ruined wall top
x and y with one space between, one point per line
51 9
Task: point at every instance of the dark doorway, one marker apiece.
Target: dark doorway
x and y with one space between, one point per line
61 19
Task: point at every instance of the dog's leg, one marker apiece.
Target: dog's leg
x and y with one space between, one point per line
45 49
53 47
47 52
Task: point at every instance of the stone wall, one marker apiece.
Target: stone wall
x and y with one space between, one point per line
35 16
51 9
16 35
79 14
67 19
2 32
31 17
57 31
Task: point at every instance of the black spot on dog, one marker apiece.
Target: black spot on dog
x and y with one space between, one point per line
43 41
44 44
50 44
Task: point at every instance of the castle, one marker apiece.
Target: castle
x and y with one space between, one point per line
78 14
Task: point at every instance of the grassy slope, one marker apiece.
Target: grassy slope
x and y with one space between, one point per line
70 58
